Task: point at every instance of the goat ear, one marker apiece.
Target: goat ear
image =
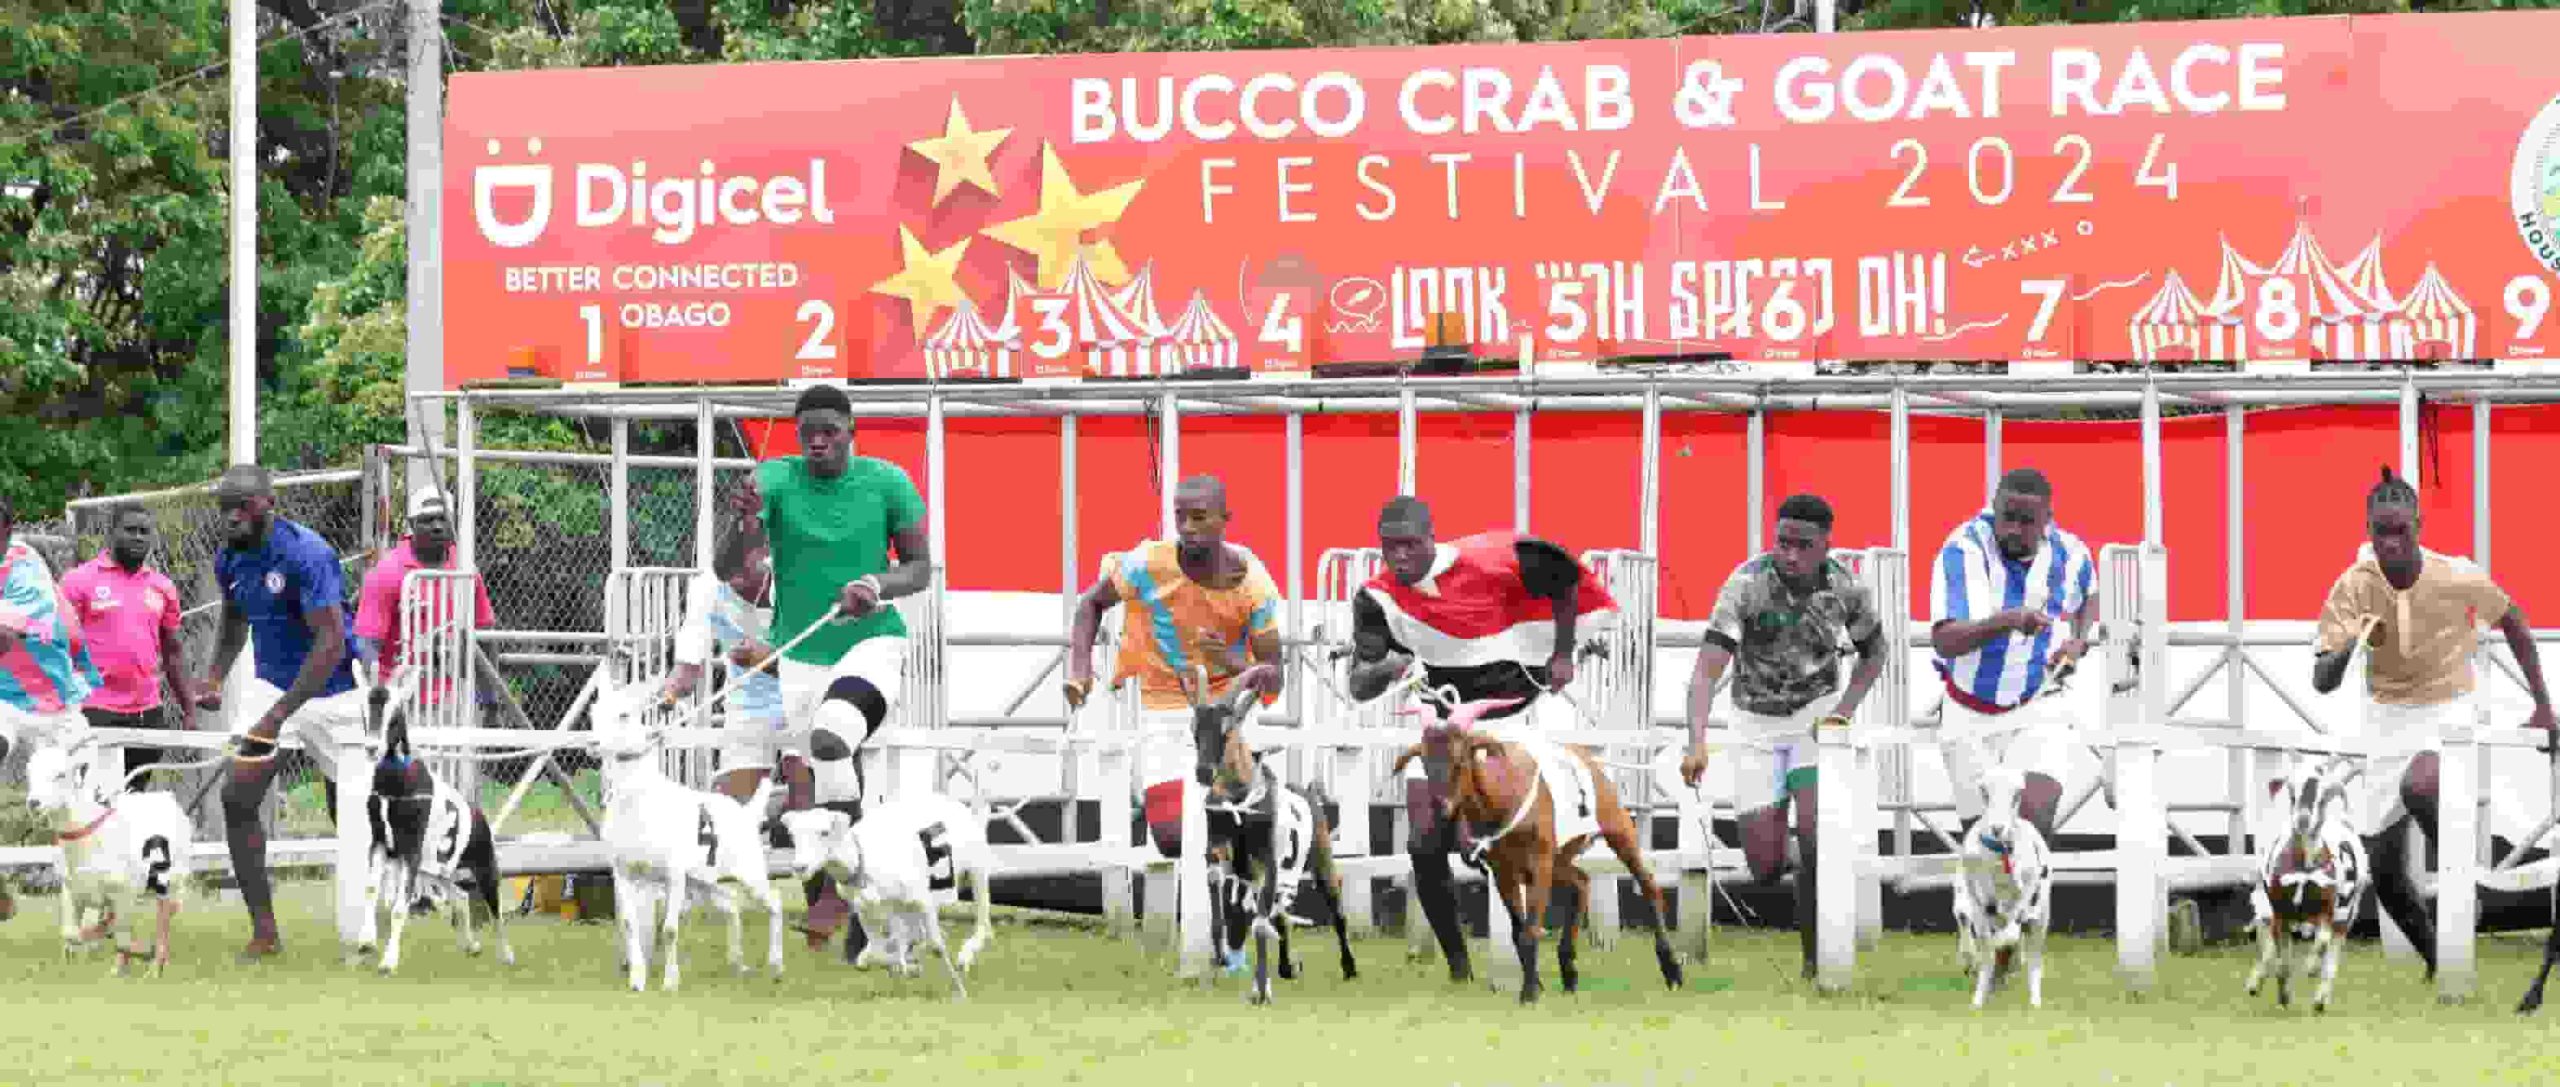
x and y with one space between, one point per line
2275 788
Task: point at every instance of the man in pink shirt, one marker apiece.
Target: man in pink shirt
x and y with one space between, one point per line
429 547
130 613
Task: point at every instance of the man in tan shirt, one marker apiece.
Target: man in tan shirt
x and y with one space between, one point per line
2418 614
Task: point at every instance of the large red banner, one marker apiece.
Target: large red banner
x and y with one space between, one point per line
2366 188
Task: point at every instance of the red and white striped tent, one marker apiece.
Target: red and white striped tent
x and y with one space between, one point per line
2344 312
2167 328
1201 341
2225 318
2364 276
1137 299
1114 341
967 346
2438 324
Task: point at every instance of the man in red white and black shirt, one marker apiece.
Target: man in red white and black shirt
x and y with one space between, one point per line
1489 616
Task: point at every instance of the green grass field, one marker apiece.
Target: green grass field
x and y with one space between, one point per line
1055 1001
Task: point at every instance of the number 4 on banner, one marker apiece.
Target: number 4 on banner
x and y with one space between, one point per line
1285 331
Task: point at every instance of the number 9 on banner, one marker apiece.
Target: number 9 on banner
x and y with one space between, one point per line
2528 301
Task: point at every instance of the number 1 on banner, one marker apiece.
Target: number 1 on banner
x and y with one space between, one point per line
591 363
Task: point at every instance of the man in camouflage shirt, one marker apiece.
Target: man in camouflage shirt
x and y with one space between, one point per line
1787 617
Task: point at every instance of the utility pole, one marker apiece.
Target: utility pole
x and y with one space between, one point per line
425 370
244 231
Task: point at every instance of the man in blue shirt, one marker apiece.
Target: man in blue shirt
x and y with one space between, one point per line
731 609
2002 588
280 581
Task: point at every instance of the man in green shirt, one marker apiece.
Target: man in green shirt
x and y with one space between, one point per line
830 520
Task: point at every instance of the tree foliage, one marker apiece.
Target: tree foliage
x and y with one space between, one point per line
114 178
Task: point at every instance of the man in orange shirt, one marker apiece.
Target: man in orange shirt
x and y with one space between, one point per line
2417 614
1192 600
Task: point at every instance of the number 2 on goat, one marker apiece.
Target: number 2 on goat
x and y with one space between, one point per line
709 840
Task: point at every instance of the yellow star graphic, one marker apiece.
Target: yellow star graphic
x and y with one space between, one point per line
960 155
1055 235
927 280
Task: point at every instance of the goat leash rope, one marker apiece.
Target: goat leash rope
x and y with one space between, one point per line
770 660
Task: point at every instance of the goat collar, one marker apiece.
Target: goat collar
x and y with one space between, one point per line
1537 784
2000 849
67 836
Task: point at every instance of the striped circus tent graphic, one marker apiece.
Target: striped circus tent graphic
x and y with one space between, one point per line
2169 326
1200 341
2436 323
1115 342
2344 312
967 346
1137 299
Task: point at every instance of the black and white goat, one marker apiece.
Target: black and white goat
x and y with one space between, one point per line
1265 837
117 847
899 866
2311 881
667 841
2003 892
429 841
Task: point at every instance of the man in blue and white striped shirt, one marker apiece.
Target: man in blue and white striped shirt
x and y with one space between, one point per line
731 608
1999 586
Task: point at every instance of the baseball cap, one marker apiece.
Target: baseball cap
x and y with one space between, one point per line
427 503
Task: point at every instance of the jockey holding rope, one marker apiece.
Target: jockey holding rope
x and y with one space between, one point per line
2417 612
45 671
831 520
2005 578
1785 618
1489 617
1195 599
281 582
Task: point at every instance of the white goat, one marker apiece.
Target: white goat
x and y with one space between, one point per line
2003 899
898 867
2311 879
666 840
116 847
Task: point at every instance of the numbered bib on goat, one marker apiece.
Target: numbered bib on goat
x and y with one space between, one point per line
941 876
1568 781
448 832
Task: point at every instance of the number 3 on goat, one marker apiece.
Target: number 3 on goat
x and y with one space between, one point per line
937 859
155 852
709 840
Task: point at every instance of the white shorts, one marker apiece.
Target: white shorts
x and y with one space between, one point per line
1775 745
1166 748
758 743
2035 738
315 728
2377 793
880 661
32 730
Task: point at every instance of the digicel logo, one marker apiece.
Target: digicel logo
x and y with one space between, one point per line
608 195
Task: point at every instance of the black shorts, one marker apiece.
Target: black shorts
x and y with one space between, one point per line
155 717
